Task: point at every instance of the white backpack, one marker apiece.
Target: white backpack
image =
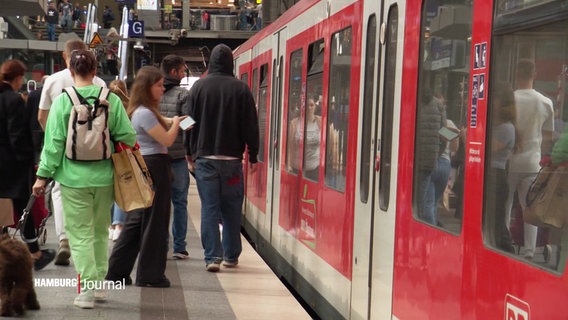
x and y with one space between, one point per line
88 137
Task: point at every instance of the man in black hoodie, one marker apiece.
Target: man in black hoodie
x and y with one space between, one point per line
171 104
226 120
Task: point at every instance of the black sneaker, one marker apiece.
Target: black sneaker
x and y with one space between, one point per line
47 255
164 283
127 280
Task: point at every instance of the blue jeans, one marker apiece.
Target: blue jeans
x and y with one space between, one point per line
118 216
180 188
221 190
51 32
436 188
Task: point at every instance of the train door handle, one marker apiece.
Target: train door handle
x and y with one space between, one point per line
377 162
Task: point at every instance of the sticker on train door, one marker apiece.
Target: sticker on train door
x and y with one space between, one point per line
516 309
308 219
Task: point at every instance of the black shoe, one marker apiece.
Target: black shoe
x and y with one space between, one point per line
127 280
165 283
47 255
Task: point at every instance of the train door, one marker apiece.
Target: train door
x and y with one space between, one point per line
373 244
273 176
385 183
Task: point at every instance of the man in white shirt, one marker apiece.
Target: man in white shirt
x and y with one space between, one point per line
535 124
52 88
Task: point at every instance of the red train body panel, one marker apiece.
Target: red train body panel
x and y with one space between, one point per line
367 68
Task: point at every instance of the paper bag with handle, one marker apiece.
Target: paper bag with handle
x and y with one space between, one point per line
133 186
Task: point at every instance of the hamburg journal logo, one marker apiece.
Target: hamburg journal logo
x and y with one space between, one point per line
516 309
74 283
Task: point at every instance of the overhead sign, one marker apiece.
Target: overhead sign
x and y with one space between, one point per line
136 29
97 40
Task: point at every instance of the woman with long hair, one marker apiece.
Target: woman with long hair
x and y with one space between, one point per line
17 153
503 143
118 87
145 232
86 197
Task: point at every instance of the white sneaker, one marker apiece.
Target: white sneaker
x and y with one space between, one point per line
116 234
110 233
85 300
101 295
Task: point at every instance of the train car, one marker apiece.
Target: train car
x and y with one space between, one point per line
399 140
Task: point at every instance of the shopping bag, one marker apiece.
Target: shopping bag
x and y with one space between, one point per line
133 187
547 199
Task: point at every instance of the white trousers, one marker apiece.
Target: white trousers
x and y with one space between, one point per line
521 182
58 211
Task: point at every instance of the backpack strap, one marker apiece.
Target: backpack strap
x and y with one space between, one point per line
103 95
73 95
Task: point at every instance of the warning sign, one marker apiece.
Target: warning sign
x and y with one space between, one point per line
97 40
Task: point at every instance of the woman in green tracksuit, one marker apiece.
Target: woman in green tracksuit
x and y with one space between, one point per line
86 186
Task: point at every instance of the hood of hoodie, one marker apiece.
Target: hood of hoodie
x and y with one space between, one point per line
170 82
221 60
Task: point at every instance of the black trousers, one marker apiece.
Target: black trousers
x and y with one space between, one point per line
145 232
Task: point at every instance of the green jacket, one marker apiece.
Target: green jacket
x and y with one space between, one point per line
81 174
560 150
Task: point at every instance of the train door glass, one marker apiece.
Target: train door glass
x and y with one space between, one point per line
293 117
338 110
312 123
369 85
262 113
442 107
389 82
527 112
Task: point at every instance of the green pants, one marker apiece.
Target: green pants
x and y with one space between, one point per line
86 213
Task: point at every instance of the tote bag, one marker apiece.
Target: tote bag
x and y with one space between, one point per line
547 199
133 187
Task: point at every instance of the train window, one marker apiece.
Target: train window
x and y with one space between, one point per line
262 110
442 106
254 90
527 112
388 108
245 77
369 85
312 129
294 102
278 104
338 110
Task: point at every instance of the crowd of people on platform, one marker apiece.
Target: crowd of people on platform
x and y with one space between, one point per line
148 114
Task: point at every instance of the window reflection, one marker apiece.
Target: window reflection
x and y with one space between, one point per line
533 62
442 113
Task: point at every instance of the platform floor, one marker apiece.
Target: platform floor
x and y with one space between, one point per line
249 291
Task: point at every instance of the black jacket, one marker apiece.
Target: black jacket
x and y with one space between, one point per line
16 147
224 110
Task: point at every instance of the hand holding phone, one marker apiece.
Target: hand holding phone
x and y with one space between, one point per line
187 123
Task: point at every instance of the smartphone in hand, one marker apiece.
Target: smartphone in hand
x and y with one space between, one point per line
187 123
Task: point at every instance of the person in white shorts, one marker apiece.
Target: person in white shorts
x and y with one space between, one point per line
52 88
535 128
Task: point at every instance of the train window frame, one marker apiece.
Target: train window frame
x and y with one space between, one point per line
389 96
368 94
262 109
294 107
536 45
444 72
338 97
314 90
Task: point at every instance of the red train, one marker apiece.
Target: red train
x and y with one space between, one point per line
361 202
